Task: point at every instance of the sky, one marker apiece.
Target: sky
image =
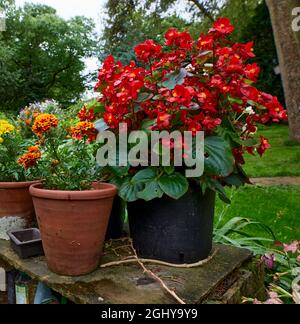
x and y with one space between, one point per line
89 8
71 8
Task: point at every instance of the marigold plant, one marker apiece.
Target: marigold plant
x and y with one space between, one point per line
28 114
30 158
63 157
12 144
84 130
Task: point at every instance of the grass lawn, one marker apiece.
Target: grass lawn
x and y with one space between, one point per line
283 159
277 207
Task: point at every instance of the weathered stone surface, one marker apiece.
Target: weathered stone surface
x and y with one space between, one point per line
126 284
249 283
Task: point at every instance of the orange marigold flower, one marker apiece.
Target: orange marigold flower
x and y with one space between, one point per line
43 124
84 129
34 149
30 159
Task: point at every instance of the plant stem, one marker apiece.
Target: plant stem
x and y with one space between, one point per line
155 277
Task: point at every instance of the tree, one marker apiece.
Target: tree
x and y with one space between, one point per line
42 56
6 4
123 32
288 48
130 22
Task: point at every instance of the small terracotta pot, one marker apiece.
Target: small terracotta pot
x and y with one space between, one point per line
16 207
73 225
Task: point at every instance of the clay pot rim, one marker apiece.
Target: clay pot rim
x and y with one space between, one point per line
18 185
104 190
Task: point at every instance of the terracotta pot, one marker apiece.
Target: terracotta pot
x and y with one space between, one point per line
73 225
16 207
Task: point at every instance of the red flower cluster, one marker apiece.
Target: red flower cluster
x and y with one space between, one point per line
87 114
148 50
30 159
178 40
120 86
222 27
205 42
192 85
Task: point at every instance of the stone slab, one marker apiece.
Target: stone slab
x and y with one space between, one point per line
126 284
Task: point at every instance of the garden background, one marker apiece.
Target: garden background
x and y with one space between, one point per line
35 66
44 56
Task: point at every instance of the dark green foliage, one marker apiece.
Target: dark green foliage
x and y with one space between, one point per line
151 183
219 160
259 29
124 31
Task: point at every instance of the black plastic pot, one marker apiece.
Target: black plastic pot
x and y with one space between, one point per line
116 224
174 231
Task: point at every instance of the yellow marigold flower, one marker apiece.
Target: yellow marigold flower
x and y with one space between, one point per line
43 124
6 127
1 140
